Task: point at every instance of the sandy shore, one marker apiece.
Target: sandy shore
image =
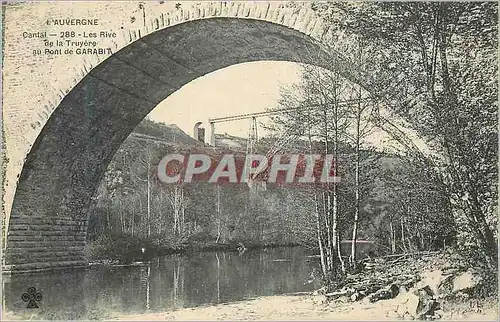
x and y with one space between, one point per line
298 307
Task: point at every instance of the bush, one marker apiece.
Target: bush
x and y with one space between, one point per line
120 247
201 236
171 243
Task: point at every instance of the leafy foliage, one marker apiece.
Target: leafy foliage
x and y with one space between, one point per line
438 63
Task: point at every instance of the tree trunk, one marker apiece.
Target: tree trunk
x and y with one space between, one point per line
320 241
393 236
318 222
109 223
335 233
357 188
329 230
218 276
403 244
328 210
217 220
120 210
149 196
133 218
160 216
339 253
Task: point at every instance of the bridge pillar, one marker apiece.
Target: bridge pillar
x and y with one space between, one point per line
196 132
212 133
43 242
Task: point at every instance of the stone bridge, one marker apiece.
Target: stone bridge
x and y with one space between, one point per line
65 116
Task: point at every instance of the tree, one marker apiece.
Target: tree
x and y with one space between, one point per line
363 126
435 62
319 113
146 161
178 202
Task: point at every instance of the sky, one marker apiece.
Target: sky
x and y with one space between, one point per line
238 89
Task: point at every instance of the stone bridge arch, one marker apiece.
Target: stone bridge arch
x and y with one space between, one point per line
113 93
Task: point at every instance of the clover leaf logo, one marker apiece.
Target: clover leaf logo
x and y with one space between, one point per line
32 297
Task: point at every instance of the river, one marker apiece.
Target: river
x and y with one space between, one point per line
166 283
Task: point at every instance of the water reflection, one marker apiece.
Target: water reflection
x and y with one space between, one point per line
165 284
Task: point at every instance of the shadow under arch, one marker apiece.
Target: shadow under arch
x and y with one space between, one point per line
48 221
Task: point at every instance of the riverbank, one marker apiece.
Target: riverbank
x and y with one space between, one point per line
427 286
298 307
308 307
120 248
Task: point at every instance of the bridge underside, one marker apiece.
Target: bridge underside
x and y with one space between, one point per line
48 221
